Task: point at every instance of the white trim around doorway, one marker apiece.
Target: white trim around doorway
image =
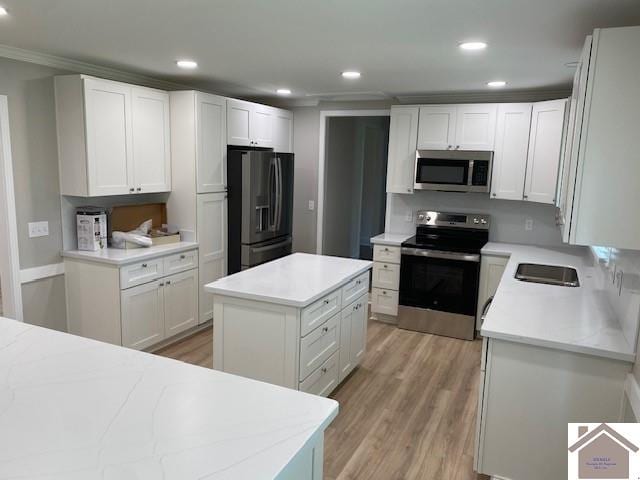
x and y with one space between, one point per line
9 258
324 114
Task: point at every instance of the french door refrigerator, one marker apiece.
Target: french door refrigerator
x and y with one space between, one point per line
260 196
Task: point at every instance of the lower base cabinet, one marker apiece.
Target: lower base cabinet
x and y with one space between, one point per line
353 336
159 310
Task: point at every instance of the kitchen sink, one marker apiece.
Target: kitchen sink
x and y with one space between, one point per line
549 274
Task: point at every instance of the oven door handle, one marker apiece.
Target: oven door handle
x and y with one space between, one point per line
421 252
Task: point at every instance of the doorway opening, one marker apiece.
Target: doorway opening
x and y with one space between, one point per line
10 290
352 200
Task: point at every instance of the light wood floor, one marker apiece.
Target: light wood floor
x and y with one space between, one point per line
407 412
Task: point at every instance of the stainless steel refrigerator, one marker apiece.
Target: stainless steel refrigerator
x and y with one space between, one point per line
260 197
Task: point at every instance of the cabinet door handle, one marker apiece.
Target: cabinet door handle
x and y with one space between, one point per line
144 265
323 369
493 194
457 147
139 189
525 196
325 329
386 249
161 285
132 189
182 257
168 282
384 292
326 302
409 190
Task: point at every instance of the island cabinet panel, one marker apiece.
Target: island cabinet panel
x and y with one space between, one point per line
293 342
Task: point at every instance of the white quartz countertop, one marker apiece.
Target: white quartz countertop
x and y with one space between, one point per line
295 280
391 239
118 256
576 319
77 409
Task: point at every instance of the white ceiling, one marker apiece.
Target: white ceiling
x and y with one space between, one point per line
251 47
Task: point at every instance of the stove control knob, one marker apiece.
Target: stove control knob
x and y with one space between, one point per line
428 219
476 221
483 221
421 216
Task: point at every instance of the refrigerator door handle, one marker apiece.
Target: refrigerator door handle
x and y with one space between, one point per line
271 220
280 193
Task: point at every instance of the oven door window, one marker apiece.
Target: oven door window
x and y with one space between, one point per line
439 284
443 172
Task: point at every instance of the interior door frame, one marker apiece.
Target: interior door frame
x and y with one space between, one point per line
9 257
324 116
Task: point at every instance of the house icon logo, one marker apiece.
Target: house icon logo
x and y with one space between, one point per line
602 452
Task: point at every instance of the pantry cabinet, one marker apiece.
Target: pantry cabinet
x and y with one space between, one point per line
457 127
211 147
113 138
403 131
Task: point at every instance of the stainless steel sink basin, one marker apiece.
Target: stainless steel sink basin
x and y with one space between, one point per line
549 274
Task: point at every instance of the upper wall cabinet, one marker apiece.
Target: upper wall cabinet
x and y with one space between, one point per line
527 151
113 138
211 148
606 166
403 132
255 125
545 140
457 127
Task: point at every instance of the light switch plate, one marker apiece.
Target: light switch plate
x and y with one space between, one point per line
38 229
408 217
312 205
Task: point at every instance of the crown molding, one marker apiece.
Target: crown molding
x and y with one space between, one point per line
485 97
53 61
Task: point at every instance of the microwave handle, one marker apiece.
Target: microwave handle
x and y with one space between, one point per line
470 179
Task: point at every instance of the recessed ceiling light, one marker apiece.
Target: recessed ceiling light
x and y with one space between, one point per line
187 64
473 46
496 83
283 91
351 74
3 12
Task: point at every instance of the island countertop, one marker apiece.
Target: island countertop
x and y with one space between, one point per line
296 280
575 319
73 408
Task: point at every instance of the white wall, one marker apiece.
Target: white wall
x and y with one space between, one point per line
507 216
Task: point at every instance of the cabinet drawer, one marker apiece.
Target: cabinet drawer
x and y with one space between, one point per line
385 253
386 275
319 311
319 345
355 288
142 272
324 379
384 301
180 262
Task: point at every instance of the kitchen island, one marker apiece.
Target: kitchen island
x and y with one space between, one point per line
299 321
74 408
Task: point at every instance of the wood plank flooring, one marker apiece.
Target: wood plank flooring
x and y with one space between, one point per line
407 412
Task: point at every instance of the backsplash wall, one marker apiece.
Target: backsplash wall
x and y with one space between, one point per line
507 216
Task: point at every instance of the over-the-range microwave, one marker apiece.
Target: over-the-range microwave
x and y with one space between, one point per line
453 170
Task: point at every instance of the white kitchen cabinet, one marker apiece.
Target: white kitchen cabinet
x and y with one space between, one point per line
353 336
545 140
403 131
437 127
511 147
475 127
605 193
211 145
143 315
386 282
135 303
491 270
113 138
282 131
212 239
151 140
457 127
180 302
254 125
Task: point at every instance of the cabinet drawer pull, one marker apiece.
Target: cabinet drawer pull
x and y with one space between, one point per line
161 285
384 292
182 257
144 265
132 189
325 329
326 302
386 249
323 369
386 266
139 189
168 282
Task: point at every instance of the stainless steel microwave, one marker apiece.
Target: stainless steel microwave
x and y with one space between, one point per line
453 170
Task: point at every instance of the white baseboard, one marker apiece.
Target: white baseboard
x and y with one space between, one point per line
28 275
632 390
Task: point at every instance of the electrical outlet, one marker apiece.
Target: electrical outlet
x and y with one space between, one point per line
528 224
312 205
408 217
38 229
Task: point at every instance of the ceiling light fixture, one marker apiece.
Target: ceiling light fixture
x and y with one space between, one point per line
351 74
283 91
496 83
473 46
187 64
3 12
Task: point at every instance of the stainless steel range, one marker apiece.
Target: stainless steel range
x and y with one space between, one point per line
439 273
